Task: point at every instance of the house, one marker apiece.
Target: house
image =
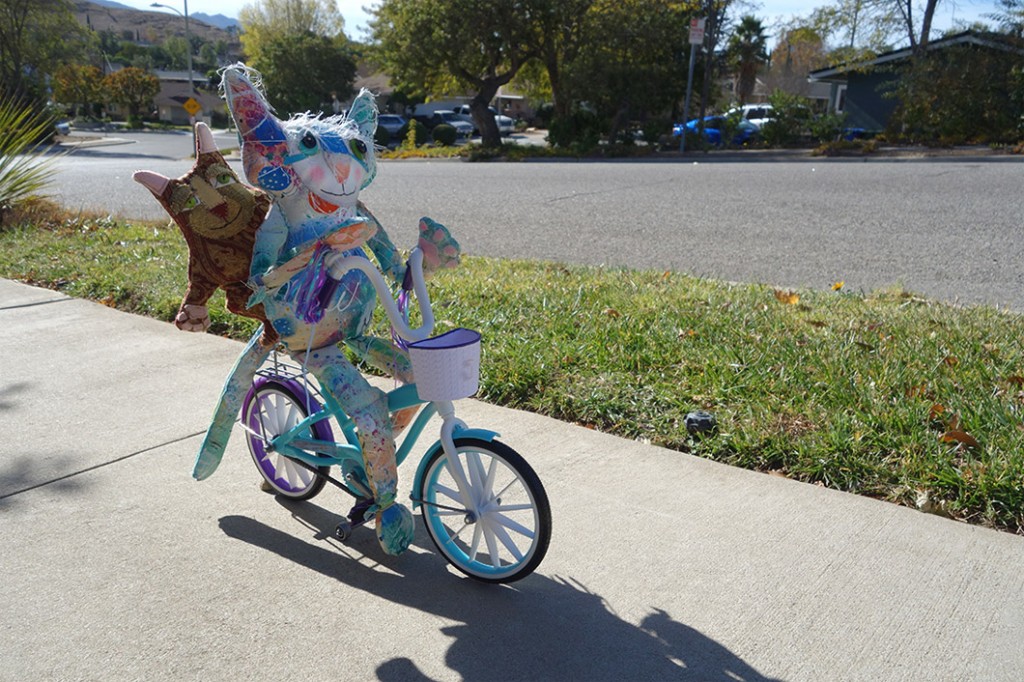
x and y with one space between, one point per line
174 93
859 90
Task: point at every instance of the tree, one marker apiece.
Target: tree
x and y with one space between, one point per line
560 37
798 51
36 36
131 88
1010 17
300 72
629 63
856 30
435 46
747 53
266 21
716 16
80 85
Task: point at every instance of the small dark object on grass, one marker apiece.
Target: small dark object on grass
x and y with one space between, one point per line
701 423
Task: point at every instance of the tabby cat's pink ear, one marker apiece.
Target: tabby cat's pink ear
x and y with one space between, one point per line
154 182
204 140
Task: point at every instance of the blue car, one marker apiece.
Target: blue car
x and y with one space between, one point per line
743 131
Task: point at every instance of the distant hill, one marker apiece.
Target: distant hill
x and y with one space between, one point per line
145 26
218 20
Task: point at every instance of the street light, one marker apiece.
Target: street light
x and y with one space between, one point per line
188 39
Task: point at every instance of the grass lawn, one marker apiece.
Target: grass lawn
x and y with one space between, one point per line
886 395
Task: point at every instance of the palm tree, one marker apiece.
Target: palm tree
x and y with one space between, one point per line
747 52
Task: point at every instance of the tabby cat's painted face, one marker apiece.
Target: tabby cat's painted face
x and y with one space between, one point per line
210 199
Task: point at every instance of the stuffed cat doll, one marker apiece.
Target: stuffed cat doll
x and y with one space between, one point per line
219 217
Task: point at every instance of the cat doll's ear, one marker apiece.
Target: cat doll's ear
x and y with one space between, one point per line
154 182
204 140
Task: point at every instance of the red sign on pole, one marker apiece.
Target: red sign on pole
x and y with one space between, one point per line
696 31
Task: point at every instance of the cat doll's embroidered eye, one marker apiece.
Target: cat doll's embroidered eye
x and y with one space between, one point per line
308 143
191 203
223 179
358 149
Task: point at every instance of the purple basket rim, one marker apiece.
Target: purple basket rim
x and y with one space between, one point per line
456 338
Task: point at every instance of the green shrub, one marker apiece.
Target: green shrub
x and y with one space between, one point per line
381 137
444 135
827 128
580 131
413 135
22 174
790 118
656 128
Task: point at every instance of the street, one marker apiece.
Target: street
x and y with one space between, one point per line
944 228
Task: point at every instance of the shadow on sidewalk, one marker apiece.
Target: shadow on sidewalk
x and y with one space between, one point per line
540 628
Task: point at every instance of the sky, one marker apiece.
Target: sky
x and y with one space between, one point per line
769 11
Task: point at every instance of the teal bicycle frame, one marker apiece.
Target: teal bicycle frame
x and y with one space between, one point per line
322 453
319 453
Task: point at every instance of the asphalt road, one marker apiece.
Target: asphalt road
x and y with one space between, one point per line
944 228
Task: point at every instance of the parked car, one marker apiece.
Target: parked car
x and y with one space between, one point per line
63 128
716 125
506 126
391 123
463 129
754 114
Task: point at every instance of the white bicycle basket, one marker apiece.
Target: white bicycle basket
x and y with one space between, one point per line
447 367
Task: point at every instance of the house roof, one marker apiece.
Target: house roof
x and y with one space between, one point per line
990 40
176 93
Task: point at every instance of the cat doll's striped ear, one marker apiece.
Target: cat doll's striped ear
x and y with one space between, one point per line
204 140
154 182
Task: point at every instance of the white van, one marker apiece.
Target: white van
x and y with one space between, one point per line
506 126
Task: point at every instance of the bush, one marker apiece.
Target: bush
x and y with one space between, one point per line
381 137
22 130
444 135
654 129
790 117
413 135
580 131
827 128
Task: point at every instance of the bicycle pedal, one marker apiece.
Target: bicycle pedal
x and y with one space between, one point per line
356 514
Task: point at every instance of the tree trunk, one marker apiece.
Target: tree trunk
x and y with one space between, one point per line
479 106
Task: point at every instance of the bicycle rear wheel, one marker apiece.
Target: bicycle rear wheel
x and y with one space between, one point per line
499 528
272 407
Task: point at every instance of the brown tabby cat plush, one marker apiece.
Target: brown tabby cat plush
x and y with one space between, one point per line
219 216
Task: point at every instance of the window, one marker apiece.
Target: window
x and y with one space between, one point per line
840 99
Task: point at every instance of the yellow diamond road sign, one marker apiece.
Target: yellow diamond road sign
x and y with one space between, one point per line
192 106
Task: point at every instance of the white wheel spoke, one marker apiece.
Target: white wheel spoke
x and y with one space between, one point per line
511 525
507 541
514 507
450 492
475 545
492 546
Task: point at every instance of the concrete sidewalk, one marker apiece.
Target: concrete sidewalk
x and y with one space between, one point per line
118 566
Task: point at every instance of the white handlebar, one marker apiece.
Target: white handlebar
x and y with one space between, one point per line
339 266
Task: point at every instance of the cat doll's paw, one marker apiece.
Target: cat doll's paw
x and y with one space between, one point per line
192 318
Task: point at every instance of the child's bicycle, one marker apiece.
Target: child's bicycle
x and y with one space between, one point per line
482 504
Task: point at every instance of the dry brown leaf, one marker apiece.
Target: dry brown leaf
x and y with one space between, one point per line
611 312
960 437
951 360
1016 380
787 297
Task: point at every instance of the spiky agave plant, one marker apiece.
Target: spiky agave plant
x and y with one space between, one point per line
23 174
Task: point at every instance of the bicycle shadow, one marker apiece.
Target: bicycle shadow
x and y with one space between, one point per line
541 628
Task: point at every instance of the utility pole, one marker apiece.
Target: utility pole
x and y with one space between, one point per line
696 40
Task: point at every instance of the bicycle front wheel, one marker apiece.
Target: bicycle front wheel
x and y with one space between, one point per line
271 408
498 528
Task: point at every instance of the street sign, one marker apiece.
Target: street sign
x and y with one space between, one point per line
192 106
696 31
